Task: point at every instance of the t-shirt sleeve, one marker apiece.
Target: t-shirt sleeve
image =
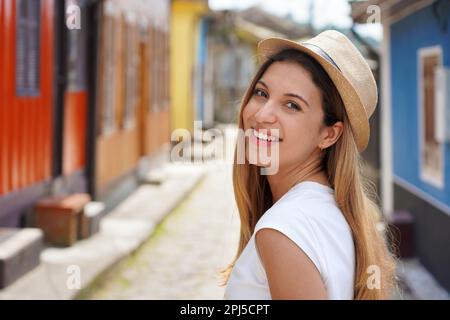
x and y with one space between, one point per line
298 228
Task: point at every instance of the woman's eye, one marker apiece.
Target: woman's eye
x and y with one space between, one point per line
292 105
259 92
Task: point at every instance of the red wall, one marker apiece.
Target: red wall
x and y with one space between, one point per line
25 123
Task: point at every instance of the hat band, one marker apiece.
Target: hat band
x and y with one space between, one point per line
321 53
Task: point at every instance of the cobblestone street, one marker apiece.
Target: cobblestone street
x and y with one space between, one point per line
182 258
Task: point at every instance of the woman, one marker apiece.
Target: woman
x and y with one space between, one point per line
308 231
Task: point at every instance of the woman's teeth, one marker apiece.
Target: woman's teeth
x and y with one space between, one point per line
265 137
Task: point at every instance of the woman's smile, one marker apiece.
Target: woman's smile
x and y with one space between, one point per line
264 137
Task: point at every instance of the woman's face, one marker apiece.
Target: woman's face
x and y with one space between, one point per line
285 98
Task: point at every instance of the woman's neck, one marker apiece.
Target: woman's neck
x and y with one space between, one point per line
284 180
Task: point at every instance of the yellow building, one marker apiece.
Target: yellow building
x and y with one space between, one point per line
185 19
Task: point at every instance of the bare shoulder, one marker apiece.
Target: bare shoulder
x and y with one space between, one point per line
290 272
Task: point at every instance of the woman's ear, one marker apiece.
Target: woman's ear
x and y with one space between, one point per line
331 134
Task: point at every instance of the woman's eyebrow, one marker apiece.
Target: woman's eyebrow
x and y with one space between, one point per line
288 94
298 97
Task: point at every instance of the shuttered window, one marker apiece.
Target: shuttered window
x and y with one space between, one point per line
108 59
131 62
76 61
432 151
429 66
27 47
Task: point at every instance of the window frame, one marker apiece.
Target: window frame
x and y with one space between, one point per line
108 74
76 43
32 25
436 180
131 65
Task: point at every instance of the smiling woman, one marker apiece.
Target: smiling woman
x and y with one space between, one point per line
308 231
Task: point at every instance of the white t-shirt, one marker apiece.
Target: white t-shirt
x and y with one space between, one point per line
309 215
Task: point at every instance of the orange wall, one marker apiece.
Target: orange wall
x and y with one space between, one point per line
157 131
2 108
117 154
74 143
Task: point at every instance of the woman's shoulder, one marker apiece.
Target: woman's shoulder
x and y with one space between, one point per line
312 221
316 225
299 226
305 205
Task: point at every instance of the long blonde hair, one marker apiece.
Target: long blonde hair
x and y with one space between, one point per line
342 163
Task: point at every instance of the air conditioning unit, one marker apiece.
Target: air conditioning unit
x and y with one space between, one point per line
442 104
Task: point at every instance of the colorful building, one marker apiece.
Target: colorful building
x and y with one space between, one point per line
82 110
415 119
186 32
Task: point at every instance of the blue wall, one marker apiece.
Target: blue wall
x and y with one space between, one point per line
408 35
201 58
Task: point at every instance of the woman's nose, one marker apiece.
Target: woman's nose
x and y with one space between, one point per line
265 113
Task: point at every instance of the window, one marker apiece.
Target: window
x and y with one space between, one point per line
166 71
156 71
131 74
76 62
160 70
27 47
151 68
108 60
431 151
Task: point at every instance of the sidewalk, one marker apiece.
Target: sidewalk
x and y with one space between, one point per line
416 283
122 231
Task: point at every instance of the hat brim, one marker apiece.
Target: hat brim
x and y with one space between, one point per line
354 108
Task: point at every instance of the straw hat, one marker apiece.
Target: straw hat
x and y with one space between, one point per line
347 69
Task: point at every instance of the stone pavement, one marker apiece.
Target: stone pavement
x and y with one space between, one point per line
416 283
63 271
182 258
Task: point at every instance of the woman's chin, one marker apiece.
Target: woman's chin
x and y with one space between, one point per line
258 163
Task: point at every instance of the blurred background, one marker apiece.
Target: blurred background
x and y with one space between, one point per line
93 94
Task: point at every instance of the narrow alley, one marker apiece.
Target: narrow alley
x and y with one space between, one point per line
181 259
